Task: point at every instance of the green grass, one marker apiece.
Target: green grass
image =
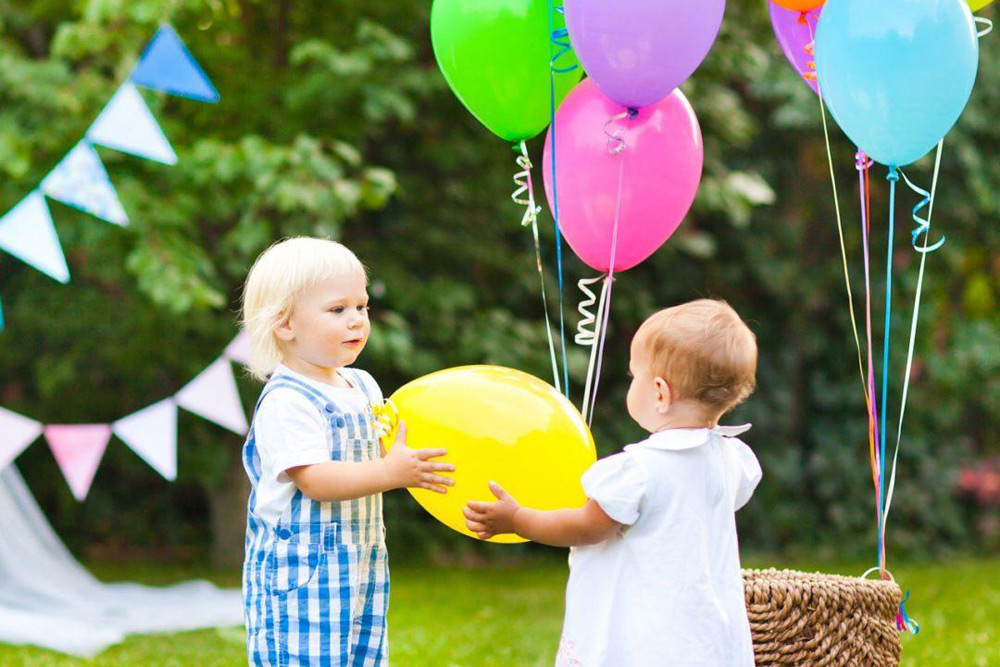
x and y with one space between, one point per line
511 618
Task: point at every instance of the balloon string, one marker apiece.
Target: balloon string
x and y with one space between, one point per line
616 147
525 196
840 233
863 165
987 26
903 621
553 70
923 229
893 178
843 247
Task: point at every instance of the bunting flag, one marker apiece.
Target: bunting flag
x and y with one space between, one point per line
239 349
81 181
168 66
1 316
152 434
16 433
127 125
214 396
27 233
78 449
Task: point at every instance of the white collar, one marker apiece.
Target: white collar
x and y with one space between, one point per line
678 439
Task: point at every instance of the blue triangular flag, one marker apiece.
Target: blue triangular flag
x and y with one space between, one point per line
27 233
1 316
126 124
81 181
167 65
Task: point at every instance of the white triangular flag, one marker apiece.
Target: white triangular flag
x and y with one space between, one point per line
27 232
127 125
81 181
16 433
239 349
152 434
214 396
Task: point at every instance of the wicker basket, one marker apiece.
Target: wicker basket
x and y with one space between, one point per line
821 620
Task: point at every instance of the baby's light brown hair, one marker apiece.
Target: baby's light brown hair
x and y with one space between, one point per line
704 351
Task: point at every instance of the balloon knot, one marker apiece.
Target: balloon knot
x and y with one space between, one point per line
802 18
862 161
893 174
633 113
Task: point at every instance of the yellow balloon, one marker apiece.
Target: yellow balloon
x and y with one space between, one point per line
497 424
976 5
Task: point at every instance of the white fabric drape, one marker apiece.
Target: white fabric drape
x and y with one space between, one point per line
48 599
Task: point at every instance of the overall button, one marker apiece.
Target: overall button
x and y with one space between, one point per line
329 407
284 533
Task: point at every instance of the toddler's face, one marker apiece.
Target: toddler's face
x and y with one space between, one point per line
329 323
648 396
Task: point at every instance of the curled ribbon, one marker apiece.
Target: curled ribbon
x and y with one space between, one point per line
923 225
903 621
809 48
522 180
987 26
616 143
385 421
560 39
587 328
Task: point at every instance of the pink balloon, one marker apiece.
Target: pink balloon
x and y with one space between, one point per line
660 168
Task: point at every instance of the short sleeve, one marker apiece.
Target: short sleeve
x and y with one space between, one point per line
746 470
617 483
371 388
289 431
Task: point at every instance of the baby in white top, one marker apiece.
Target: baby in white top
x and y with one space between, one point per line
655 569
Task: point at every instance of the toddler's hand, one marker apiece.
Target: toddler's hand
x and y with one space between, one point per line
489 519
412 468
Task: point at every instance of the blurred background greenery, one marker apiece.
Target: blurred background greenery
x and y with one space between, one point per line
335 121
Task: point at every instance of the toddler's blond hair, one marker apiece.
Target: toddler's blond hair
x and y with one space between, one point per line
277 278
704 351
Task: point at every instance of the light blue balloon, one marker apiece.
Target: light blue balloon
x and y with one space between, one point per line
896 74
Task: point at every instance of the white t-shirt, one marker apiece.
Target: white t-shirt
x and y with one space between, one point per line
666 591
290 431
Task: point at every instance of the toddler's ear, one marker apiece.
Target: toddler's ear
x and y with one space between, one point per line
283 330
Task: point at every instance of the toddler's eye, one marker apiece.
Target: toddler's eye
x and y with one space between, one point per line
363 309
337 309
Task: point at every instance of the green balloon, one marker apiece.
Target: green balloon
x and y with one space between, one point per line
495 55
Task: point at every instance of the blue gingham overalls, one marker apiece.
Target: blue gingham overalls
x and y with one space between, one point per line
316 585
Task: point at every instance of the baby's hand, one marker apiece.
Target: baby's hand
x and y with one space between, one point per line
412 468
489 519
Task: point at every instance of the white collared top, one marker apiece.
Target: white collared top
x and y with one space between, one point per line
666 591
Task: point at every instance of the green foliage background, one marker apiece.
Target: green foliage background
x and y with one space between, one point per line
334 120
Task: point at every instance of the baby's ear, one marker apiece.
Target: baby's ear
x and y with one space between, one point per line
664 397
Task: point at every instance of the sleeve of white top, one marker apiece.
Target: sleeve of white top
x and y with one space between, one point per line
748 471
289 432
617 483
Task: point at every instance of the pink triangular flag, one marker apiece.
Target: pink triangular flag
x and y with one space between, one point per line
78 449
16 433
239 349
214 396
152 434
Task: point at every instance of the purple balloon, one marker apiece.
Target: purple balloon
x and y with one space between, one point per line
795 32
639 51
